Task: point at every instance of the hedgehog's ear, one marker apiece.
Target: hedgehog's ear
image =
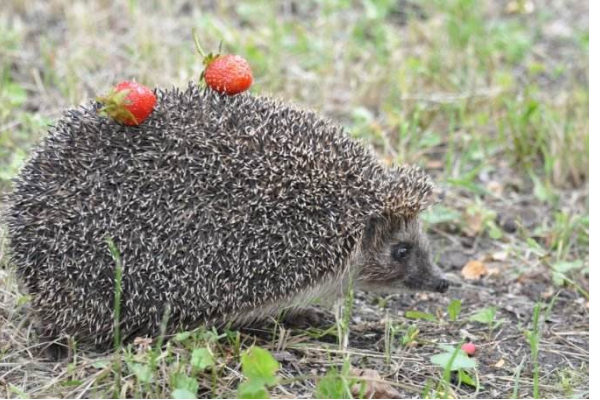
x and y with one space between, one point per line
410 191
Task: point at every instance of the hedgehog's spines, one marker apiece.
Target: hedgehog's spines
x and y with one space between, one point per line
218 204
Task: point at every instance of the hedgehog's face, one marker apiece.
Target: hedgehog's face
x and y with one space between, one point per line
396 256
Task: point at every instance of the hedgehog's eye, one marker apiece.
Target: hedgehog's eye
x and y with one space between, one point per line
400 251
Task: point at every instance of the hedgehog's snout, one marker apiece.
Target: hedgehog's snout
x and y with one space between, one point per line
442 286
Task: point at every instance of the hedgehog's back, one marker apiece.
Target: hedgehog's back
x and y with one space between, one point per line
217 204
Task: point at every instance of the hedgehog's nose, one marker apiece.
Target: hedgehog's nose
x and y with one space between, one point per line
442 286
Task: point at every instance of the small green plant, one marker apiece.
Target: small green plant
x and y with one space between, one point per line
454 309
116 255
72 366
567 230
235 341
468 180
487 316
411 334
484 220
143 373
412 314
17 391
344 314
439 214
543 190
391 331
259 368
560 270
202 359
533 338
517 379
335 384
182 336
183 386
454 359
573 383
388 338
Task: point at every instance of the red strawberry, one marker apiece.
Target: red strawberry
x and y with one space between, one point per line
129 103
228 73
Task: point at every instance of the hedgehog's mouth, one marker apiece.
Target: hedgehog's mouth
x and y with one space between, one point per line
436 284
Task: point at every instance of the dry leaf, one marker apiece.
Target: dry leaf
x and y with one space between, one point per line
520 7
373 386
559 29
423 296
500 363
474 269
142 343
495 187
434 164
549 239
527 277
500 256
549 292
474 224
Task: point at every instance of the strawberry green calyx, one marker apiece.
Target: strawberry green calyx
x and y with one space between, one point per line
114 106
129 103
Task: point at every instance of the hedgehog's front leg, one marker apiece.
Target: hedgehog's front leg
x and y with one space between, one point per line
306 317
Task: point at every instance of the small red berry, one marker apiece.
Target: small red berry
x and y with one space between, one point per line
224 73
230 74
129 103
469 348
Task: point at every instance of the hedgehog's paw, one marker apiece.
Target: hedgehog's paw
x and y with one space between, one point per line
54 348
302 318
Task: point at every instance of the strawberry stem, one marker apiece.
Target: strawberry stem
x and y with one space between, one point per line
197 43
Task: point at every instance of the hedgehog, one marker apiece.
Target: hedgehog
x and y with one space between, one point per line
224 209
